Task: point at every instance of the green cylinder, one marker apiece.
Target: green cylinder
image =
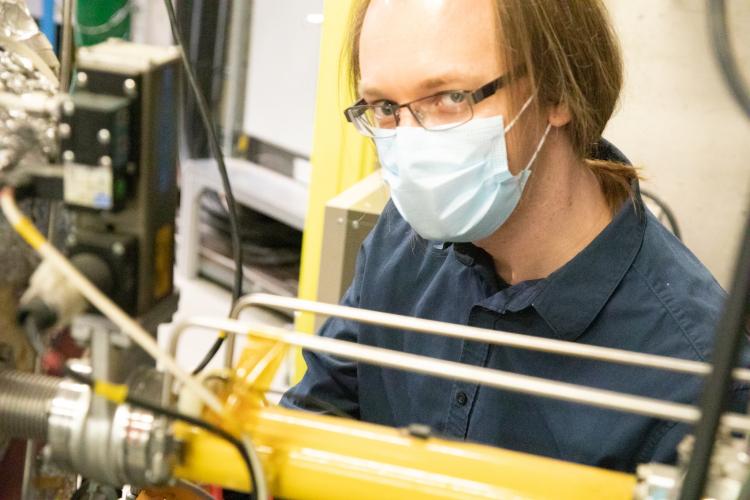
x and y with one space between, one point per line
97 20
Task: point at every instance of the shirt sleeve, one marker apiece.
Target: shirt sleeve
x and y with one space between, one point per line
329 385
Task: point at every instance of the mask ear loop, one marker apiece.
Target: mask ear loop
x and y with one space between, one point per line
518 115
538 148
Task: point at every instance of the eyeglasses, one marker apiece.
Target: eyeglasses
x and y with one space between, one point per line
441 111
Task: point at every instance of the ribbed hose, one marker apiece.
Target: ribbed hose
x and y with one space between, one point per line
25 399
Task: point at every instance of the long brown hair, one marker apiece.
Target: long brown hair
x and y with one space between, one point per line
571 56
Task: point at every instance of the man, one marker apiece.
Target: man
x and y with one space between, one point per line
510 213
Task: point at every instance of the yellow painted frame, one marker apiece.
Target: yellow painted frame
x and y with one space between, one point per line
340 156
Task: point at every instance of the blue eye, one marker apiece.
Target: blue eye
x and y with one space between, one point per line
456 97
386 109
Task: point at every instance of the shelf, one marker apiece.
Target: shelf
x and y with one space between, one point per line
219 268
257 187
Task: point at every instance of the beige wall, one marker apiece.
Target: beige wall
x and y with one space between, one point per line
678 121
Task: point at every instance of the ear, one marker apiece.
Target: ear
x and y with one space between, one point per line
559 115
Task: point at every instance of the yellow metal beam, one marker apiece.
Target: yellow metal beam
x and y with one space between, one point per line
308 456
340 156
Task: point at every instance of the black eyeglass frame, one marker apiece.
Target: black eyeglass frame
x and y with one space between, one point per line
475 97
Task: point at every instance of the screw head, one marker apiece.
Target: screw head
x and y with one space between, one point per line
103 136
105 161
68 107
118 249
69 156
82 79
71 240
64 130
129 87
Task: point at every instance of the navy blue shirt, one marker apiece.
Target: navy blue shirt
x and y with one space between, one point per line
635 287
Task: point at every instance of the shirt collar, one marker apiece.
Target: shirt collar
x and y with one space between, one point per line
573 296
570 298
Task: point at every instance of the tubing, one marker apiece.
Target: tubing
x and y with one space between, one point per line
482 335
24 403
458 371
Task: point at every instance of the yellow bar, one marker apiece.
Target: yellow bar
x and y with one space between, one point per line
308 456
29 232
340 156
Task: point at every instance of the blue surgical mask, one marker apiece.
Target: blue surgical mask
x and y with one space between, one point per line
454 185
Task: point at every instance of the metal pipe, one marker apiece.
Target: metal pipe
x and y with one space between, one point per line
66 47
496 337
458 371
239 35
25 399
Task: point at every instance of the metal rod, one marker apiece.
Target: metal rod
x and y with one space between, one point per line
66 46
458 371
237 50
496 337
29 469
730 334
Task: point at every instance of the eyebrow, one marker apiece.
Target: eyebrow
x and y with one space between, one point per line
425 85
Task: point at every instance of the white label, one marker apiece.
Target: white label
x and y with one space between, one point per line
88 186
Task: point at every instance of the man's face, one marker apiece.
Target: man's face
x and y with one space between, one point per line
415 48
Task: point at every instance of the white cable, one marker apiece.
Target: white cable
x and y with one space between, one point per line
261 486
108 308
117 18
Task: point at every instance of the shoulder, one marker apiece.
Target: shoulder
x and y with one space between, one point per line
396 264
393 245
679 286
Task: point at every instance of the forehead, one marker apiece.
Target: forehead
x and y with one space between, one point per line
405 43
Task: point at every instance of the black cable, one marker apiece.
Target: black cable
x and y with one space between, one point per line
213 143
174 415
716 388
668 213
34 335
719 30
209 355
732 326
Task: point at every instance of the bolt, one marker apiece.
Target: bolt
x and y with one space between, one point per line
105 161
103 136
68 107
355 224
69 156
118 249
65 131
130 88
82 79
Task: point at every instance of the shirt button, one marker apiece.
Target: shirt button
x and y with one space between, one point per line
462 399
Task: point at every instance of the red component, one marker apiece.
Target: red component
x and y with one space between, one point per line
12 467
216 492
